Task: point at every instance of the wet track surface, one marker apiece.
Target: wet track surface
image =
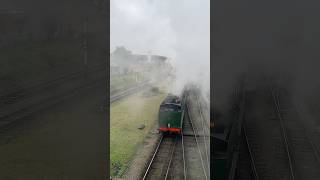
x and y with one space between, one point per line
275 144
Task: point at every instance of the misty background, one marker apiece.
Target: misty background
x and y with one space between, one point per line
40 40
179 30
263 39
53 59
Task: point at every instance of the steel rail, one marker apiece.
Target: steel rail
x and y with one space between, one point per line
44 83
284 134
194 132
182 143
154 155
254 169
314 148
313 145
203 131
128 92
171 156
308 137
9 119
184 159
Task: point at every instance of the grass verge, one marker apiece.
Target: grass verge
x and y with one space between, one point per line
125 137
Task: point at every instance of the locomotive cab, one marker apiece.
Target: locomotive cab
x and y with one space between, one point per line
170 115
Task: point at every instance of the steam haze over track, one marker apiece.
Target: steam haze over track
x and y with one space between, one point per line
278 38
177 29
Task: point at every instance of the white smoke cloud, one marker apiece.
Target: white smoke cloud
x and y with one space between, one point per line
138 25
179 29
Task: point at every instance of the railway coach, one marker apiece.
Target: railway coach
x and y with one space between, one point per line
171 115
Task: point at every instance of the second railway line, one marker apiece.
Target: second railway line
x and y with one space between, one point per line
279 147
124 93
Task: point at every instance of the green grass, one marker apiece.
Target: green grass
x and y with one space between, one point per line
118 82
125 137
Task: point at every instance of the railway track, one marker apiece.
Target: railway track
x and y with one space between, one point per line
160 166
129 91
266 141
205 130
25 106
246 169
284 135
183 156
29 89
195 164
304 153
283 152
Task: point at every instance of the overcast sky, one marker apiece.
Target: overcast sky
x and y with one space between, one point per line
179 29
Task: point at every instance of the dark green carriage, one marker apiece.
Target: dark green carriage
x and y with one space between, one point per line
171 115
